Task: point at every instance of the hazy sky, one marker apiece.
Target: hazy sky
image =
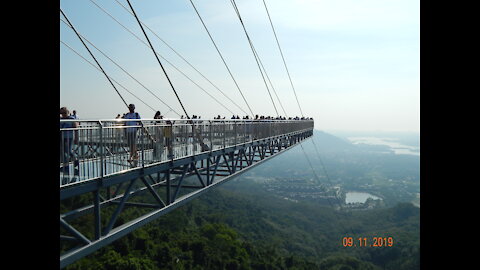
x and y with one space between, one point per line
355 64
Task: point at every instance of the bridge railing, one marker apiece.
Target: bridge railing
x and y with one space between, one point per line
91 149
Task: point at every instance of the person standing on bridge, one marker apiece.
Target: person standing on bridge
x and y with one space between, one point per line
158 115
158 136
131 131
75 115
168 135
68 136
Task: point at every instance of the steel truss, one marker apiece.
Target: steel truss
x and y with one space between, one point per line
170 185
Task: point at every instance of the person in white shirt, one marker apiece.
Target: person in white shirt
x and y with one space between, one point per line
131 131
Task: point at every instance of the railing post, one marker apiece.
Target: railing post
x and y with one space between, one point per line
244 132
172 140
194 148
224 130
270 128
210 135
142 136
102 159
187 138
235 131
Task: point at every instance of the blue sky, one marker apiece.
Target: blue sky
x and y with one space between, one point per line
355 64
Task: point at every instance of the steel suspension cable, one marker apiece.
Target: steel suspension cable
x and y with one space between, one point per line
326 173
273 88
91 54
221 56
195 131
283 58
155 54
93 65
254 52
120 67
179 55
318 180
268 78
166 60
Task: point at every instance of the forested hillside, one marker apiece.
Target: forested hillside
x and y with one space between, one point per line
232 230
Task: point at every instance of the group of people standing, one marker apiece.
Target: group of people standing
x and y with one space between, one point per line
261 117
160 135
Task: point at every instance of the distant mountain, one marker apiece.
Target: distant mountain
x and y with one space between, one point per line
330 143
406 138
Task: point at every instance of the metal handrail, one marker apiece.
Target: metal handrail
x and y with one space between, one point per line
99 148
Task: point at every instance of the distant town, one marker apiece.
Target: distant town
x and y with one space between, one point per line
307 190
